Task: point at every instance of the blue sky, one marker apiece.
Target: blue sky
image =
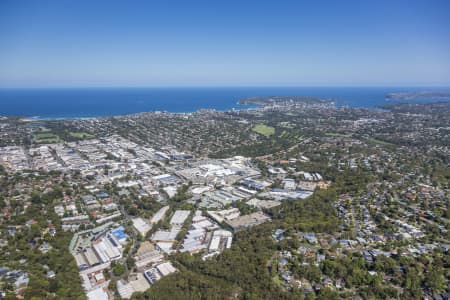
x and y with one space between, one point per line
224 43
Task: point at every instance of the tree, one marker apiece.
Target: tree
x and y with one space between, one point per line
118 269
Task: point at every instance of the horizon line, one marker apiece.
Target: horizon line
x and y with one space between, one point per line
223 86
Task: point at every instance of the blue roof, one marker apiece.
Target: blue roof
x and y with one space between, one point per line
102 195
119 233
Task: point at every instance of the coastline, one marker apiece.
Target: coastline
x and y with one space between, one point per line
38 118
381 107
89 103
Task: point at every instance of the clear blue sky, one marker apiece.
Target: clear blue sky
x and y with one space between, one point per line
224 43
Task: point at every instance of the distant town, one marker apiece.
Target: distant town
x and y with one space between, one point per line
418 95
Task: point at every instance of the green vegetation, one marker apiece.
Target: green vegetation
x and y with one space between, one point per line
336 134
81 135
242 272
366 185
238 273
118 269
188 285
264 129
314 214
182 193
380 142
46 138
67 283
46 135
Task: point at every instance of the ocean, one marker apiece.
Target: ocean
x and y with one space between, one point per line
46 103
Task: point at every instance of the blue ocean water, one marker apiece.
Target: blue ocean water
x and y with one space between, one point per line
96 102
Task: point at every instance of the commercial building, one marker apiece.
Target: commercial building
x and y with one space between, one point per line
160 214
179 217
141 226
161 270
247 221
147 254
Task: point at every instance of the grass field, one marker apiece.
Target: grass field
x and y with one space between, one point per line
264 130
335 134
47 135
46 138
380 142
81 135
